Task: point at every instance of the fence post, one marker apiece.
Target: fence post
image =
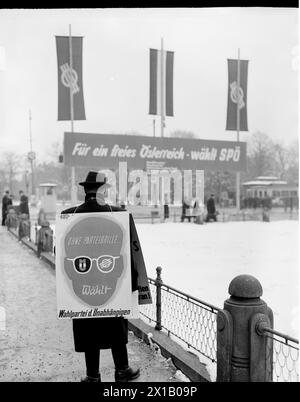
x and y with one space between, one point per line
241 348
158 283
39 242
21 232
36 233
29 230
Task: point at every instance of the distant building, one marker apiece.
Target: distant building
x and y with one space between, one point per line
272 187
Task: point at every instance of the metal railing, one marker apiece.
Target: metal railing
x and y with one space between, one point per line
43 236
285 359
192 321
244 215
20 224
256 215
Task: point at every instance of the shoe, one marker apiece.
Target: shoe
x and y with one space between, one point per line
91 379
127 374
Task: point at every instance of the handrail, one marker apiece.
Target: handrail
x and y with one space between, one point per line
189 297
274 332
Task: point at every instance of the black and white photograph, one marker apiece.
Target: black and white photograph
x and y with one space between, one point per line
149 170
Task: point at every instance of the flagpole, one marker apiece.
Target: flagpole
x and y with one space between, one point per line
238 129
73 185
162 89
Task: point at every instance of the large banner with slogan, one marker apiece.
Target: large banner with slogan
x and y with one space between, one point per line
146 153
161 82
93 266
233 93
70 79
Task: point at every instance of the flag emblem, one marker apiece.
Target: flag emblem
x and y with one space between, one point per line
235 97
69 78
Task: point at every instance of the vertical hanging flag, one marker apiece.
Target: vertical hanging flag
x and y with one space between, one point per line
233 95
161 82
70 79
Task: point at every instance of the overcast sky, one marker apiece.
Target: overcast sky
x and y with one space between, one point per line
116 71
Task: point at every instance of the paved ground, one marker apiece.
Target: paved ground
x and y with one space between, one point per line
34 344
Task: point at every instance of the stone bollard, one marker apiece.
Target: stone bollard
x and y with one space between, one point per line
24 226
11 219
242 352
45 238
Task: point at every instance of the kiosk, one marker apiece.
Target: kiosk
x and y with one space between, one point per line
47 195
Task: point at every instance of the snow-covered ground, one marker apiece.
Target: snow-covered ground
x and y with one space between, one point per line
202 260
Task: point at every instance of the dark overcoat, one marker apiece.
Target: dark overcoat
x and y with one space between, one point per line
100 333
24 209
211 208
6 201
185 206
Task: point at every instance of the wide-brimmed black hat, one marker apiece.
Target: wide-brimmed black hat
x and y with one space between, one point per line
95 179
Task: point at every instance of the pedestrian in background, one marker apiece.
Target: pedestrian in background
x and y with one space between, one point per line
166 209
211 209
93 334
6 201
198 212
23 207
185 211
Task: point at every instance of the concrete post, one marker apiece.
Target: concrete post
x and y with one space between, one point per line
242 354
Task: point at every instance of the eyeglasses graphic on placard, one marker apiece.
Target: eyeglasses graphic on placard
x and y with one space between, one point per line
83 264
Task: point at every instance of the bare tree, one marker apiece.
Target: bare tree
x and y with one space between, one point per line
11 165
3 181
281 160
133 132
260 155
292 167
182 134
